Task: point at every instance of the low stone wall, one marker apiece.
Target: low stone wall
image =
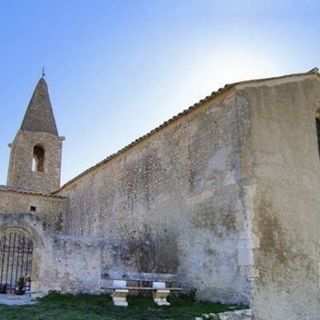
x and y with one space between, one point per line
245 314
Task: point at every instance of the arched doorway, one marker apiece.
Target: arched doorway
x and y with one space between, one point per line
16 253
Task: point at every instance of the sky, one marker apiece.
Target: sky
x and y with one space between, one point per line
117 69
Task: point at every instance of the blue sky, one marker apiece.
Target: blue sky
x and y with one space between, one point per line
117 69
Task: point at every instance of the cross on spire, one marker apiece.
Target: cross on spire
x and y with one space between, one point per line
43 72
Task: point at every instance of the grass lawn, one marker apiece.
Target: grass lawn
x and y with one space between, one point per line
79 307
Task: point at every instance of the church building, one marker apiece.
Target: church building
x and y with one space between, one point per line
224 195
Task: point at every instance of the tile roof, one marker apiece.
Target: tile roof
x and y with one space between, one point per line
213 95
9 189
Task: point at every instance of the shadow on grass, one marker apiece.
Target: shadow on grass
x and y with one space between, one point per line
57 306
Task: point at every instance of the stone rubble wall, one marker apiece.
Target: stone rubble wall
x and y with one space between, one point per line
50 209
245 314
178 194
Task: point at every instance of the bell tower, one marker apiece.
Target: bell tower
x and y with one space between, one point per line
35 160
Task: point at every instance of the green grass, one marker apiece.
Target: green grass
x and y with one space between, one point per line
90 307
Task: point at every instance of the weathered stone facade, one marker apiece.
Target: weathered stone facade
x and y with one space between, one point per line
51 208
224 195
182 185
282 194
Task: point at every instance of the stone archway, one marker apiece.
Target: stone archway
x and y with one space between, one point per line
16 260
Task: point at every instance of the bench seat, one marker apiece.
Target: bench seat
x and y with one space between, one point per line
139 288
159 290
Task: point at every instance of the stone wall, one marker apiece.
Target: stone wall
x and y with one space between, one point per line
41 235
65 264
245 314
282 197
43 226
173 203
73 264
50 209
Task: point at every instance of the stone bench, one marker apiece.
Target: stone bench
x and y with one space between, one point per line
142 282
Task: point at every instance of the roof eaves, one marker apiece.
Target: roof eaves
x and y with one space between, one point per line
49 195
213 95
314 71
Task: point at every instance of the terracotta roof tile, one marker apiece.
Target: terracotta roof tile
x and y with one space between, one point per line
213 95
9 189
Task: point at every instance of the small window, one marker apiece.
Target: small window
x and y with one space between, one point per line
38 159
318 129
33 209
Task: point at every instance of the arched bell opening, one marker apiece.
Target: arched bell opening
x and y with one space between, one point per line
16 261
38 158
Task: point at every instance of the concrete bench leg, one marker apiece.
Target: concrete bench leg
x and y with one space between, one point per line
160 297
119 297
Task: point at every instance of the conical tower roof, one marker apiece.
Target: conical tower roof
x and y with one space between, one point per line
39 115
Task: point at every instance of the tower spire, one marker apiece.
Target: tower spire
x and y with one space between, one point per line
39 115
